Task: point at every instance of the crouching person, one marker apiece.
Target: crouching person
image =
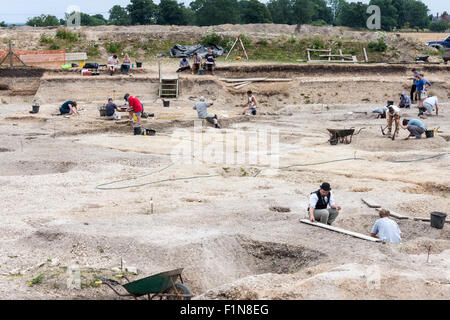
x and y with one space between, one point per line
386 229
415 127
202 112
111 109
318 205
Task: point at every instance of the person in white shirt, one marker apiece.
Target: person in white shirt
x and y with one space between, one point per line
318 204
430 103
113 63
250 106
386 229
392 115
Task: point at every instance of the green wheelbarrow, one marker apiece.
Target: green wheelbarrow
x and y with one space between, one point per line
162 285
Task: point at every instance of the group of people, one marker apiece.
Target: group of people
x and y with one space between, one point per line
113 64
322 208
209 64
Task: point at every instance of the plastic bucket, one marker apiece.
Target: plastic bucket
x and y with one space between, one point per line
35 109
137 130
102 112
429 133
438 219
138 64
166 103
150 132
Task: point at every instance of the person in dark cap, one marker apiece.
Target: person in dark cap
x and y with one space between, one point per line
318 205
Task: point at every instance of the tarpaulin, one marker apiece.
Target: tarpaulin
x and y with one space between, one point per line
180 51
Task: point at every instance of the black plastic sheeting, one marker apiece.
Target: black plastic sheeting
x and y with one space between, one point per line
179 51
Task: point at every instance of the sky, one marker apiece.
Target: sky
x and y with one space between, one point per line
18 11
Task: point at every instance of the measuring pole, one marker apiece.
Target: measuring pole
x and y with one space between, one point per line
11 62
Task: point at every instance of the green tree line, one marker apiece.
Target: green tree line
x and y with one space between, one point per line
394 13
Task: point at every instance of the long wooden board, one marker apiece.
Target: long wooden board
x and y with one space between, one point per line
370 203
350 233
396 215
427 220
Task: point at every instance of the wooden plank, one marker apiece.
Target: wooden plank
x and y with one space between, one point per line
350 233
427 219
370 203
243 85
365 55
241 80
396 215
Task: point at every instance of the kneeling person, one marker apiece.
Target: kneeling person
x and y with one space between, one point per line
386 229
69 107
318 204
111 109
415 127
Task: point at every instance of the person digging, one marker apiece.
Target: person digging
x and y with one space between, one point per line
135 107
392 115
415 127
202 112
386 229
318 205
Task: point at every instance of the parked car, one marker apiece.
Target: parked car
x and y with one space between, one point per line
440 44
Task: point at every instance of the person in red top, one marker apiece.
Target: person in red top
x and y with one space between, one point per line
135 107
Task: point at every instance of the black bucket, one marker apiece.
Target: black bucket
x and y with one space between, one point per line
150 132
438 219
166 103
429 133
138 64
35 109
137 130
102 112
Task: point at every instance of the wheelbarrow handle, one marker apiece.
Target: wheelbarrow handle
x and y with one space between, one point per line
359 131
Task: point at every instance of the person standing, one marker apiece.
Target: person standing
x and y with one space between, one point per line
385 228
318 205
393 115
251 104
135 107
202 112
415 127
414 86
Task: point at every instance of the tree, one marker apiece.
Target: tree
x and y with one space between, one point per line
439 26
282 11
214 12
170 12
416 14
336 7
321 11
119 16
142 12
44 20
3 24
389 14
303 11
253 11
95 20
353 15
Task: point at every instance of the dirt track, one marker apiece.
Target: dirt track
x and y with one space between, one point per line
222 226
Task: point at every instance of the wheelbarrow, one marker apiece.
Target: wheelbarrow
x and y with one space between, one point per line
342 135
162 285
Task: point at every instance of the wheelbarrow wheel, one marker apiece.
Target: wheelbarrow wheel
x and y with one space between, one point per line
179 289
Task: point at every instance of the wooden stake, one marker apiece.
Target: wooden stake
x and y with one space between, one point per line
350 233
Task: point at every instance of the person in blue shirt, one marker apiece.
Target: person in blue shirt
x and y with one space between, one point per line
415 127
386 229
405 101
422 85
69 108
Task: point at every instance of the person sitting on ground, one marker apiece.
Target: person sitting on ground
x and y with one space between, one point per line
113 62
250 106
202 111
126 65
392 115
385 228
210 61
135 107
414 85
430 103
405 101
197 62
318 203
184 65
69 108
111 109
415 127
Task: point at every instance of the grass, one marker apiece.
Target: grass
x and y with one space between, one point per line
36 280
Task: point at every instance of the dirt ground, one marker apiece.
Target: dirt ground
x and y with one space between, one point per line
76 191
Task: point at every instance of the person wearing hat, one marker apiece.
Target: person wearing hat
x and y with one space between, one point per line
135 107
318 205
202 112
392 115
